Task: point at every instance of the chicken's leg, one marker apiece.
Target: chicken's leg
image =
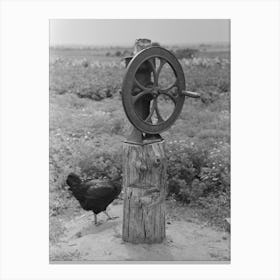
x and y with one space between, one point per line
109 217
95 220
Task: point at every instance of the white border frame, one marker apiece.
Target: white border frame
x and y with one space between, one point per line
255 138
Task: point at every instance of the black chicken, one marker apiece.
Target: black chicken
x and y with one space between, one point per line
94 198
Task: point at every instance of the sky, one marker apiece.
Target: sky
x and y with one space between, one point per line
123 32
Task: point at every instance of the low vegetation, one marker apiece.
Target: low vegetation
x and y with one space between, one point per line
88 125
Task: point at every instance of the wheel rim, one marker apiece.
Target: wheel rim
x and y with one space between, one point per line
133 91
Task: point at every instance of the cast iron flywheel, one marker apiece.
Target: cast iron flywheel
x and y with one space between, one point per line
141 97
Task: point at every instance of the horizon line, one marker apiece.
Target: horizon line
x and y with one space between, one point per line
75 45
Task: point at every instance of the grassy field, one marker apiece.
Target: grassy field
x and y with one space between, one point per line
87 126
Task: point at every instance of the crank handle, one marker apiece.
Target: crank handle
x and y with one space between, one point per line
191 94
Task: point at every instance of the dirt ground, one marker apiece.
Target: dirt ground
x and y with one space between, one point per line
186 240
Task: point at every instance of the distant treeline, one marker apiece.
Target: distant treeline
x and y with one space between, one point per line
187 52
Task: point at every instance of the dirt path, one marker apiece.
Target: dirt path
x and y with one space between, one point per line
186 241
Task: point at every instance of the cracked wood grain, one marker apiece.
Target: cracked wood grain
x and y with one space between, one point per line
144 184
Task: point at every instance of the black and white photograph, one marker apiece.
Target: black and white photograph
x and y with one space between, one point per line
139 140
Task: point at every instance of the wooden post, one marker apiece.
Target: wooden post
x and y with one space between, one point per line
144 182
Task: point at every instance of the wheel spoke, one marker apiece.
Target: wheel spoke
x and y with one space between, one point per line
139 85
173 98
161 64
141 94
165 90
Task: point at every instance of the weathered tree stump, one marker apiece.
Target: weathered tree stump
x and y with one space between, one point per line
144 184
